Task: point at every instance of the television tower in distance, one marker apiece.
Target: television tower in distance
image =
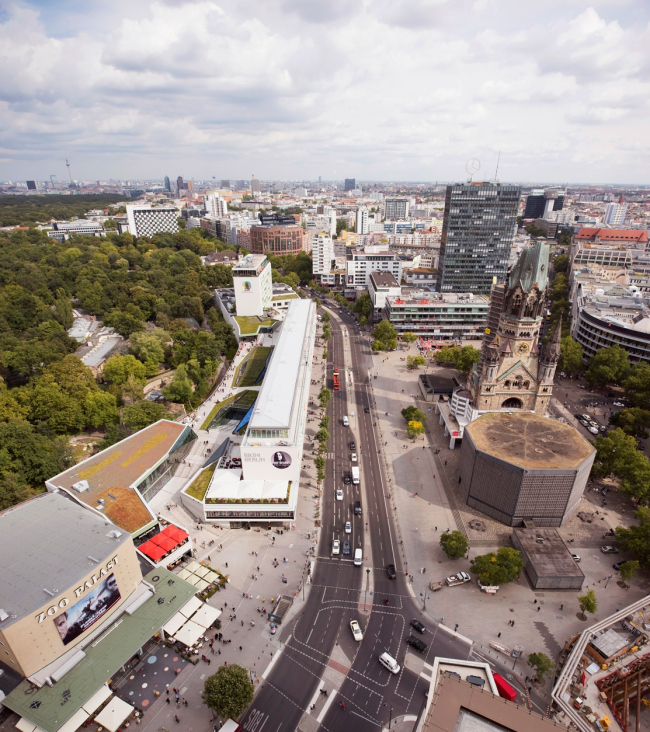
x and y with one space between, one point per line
68 167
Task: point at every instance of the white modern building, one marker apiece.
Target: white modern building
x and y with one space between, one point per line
615 214
380 286
322 254
253 285
265 489
215 205
362 220
147 221
64 229
360 263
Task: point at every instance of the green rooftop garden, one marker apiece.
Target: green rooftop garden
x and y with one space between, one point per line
251 324
199 485
250 369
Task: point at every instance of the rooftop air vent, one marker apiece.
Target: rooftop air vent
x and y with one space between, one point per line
81 486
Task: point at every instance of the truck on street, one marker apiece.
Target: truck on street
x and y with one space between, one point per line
355 475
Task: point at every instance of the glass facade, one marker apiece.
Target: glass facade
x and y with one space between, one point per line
154 481
477 234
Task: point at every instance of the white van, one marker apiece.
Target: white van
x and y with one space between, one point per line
346 422
387 661
358 556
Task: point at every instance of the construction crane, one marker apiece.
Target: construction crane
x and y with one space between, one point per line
53 180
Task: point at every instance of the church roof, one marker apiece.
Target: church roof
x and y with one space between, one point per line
531 268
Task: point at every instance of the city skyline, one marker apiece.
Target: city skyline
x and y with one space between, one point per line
289 90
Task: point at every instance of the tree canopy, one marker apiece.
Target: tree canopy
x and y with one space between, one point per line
454 544
570 356
608 366
228 692
498 569
636 539
462 358
617 454
385 336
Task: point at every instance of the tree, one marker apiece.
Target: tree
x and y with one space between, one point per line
413 362
322 436
636 539
133 389
588 603
141 415
324 422
149 347
617 454
327 332
228 692
363 306
409 337
448 354
608 366
467 358
570 356
542 664
413 414
632 421
180 390
324 395
118 369
629 569
561 263
414 428
637 385
326 317
13 490
498 569
101 409
385 336
454 544
319 462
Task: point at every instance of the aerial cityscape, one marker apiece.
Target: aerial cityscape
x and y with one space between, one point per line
366 428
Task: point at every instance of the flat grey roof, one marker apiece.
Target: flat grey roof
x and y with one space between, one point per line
275 402
609 643
384 279
46 543
551 557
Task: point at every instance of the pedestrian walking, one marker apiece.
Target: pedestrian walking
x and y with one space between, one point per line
176 718
240 648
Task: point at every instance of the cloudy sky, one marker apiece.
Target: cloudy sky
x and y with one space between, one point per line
372 89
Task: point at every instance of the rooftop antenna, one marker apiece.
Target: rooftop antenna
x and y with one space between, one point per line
496 172
472 167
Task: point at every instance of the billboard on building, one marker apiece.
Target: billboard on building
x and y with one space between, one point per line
85 613
271 463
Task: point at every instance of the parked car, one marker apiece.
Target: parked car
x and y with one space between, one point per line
348 527
592 429
576 558
356 630
339 494
390 571
416 643
618 565
346 547
609 550
619 404
273 628
418 626
458 579
611 532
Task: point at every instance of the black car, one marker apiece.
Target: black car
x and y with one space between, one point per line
353 446
418 626
346 547
367 410
390 570
618 565
346 479
416 643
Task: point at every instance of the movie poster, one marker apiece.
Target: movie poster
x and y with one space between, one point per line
75 621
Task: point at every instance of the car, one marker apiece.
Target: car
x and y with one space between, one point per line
609 549
416 643
619 404
348 527
353 447
618 565
336 547
347 479
390 571
367 410
584 423
353 457
346 547
603 428
356 630
339 494
592 429
611 532
418 626
273 628
586 417
576 558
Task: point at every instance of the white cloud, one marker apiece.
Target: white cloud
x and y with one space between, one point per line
371 88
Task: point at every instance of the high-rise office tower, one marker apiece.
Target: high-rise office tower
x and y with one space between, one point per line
396 208
168 185
255 185
615 214
216 206
350 184
225 183
179 183
541 202
362 220
477 233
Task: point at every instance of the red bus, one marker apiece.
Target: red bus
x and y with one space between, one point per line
505 690
337 385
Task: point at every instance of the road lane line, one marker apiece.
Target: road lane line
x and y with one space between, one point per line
271 665
328 704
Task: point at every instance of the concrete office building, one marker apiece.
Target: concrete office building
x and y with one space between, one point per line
279 239
74 609
322 255
382 285
350 184
253 285
539 203
478 230
519 466
615 214
63 230
396 208
255 185
547 560
147 221
360 263
216 206
265 489
445 316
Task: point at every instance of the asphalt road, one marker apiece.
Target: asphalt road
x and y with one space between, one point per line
371 694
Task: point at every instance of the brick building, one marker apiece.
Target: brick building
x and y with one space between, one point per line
279 240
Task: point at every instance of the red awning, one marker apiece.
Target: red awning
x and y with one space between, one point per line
164 541
153 551
173 532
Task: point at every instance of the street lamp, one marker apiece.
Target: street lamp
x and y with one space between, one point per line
365 597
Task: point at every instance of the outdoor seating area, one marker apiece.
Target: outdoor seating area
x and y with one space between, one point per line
190 624
198 575
164 543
